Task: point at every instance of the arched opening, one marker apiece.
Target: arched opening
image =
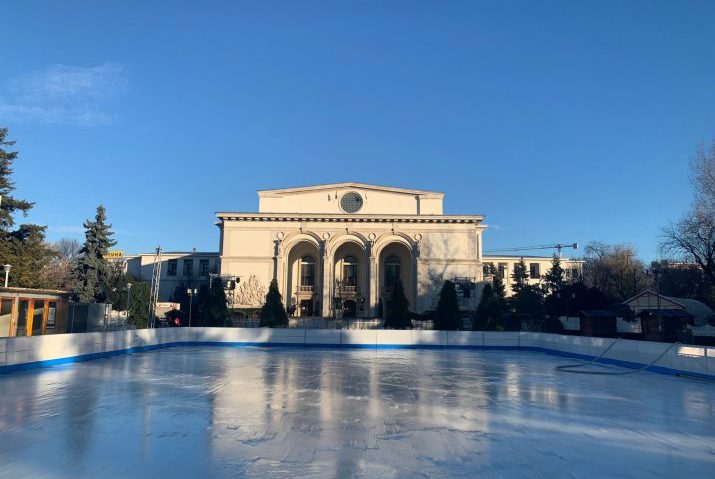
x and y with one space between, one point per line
350 272
395 264
302 296
392 272
307 271
350 288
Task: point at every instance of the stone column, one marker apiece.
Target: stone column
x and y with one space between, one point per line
370 294
327 270
415 276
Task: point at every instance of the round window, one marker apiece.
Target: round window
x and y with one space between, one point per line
351 202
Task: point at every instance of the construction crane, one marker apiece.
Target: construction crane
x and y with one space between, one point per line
154 294
558 247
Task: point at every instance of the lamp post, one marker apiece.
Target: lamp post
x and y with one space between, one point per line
191 292
7 267
129 299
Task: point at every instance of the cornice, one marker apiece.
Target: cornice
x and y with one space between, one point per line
349 218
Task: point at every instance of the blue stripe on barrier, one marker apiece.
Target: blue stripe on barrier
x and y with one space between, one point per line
137 349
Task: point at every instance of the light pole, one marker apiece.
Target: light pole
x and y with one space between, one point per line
7 267
191 293
129 299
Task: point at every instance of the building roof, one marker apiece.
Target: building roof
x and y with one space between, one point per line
596 313
165 253
525 257
700 311
49 292
332 186
665 313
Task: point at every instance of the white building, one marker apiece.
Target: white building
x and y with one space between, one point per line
178 268
347 244
344 245
536 267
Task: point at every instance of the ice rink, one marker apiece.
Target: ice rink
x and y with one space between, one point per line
293 412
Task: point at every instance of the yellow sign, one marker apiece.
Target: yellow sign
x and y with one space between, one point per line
114 254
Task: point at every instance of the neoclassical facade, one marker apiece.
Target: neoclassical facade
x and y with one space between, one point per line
342 247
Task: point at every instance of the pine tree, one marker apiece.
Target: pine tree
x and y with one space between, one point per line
91 274
217 306
398 314
520 276
555 276
138 303
273 314
181 296
23 248
498 287
491 308
448 317
483 313
10 205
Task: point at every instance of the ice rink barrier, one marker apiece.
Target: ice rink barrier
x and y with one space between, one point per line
41 351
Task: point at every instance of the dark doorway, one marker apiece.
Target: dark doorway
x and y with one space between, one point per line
306 307
349 309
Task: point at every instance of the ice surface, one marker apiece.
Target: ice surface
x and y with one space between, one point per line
232 412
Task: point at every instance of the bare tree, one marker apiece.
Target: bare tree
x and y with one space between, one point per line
702 168
692 238
59 270
615 270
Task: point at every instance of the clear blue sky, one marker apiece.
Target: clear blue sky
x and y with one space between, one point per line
557 120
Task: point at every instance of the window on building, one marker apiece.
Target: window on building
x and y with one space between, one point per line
534 271
188 268
574 273
171 269
22 311
203 268
5 316
38 313
392 272
350 271
501 270
487 269
307 271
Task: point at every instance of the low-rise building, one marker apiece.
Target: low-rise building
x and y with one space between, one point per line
178 268
32 312
536 267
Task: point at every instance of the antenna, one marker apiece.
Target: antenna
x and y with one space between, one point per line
154 294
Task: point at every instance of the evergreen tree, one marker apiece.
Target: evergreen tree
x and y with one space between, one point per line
398 314
499 291
91 274
483 313
182 297
28 254
555 276
520 276
24 248
448 317
201 306
138 306
217 305
10 205
273 314
529 301
490 310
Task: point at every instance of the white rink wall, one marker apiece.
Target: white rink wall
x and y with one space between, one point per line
37 351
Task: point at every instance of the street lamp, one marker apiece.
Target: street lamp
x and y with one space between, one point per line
6 267
191 293
129 298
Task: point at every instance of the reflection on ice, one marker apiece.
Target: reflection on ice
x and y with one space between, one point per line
224 412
